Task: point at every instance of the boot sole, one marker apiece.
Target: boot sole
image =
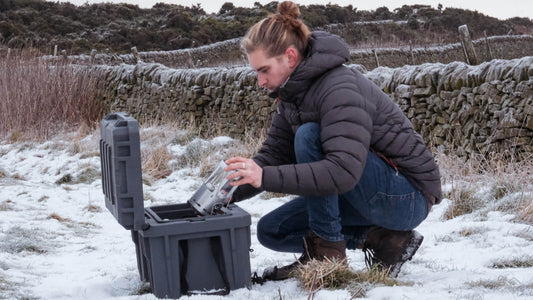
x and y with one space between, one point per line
410 251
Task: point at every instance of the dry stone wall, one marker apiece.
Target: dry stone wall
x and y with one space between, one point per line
216 100
461 108
227 53
496 47
467 109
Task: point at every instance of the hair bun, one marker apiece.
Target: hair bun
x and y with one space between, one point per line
289 8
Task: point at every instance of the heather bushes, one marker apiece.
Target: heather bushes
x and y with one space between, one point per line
79 29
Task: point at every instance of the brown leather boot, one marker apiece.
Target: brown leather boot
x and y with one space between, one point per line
315 248
326 249
390 249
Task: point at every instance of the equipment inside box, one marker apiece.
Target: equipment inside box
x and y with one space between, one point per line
214 193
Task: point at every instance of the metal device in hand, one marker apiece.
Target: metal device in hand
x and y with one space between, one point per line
214 192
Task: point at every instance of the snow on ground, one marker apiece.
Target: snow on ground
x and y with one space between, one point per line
58 241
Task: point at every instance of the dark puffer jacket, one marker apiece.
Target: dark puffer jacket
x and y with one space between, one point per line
354 115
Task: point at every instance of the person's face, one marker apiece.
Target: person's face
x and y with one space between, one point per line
272 71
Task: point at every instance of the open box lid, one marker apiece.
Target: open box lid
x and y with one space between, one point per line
120 157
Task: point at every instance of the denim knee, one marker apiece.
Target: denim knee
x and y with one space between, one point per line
307 144
263 236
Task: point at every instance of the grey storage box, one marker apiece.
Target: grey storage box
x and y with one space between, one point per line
178 251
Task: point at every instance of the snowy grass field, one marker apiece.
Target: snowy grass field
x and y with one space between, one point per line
58 240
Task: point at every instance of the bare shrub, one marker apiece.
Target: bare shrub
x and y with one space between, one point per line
38 98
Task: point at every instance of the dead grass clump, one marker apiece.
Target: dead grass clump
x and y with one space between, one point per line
525 261
6 205
3 173
65 179
141 289
93 208
60 219
156 157
526 212
4 284
18 239
183 137
469 231
195 152
501 282
316 275
464 201
333 274
155 161
88 175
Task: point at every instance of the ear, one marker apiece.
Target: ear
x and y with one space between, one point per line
292 56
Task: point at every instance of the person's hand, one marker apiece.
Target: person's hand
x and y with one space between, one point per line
248 171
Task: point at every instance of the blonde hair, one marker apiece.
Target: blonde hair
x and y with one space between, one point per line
277 32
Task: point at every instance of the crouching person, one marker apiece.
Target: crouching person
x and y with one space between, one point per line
364 177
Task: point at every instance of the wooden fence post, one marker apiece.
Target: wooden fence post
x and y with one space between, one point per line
55 50
8 52
468 45
135 54
488 46
412 54
93 55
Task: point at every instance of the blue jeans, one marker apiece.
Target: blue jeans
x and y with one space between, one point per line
382 197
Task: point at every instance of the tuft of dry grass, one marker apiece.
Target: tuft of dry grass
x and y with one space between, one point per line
525 261
488 183
18 239
500 283
464 202
6 205
60 219
93 208
155 161
526 213
333 274
329 273
3 173
39 99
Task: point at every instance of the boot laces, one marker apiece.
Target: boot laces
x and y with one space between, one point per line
369 256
